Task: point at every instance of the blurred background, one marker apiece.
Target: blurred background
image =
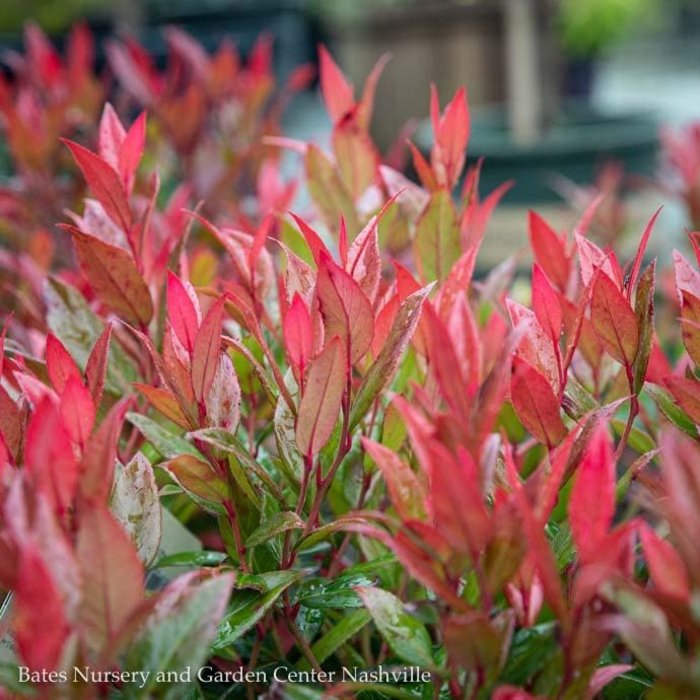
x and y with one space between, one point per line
564 94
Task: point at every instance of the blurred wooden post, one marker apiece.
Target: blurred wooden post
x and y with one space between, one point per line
524 70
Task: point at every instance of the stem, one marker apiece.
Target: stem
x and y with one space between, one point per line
634 410
240 547
338 555
288 557
303 645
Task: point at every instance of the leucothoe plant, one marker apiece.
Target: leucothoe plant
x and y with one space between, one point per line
318 435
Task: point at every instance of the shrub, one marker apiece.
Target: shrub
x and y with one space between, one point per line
388 461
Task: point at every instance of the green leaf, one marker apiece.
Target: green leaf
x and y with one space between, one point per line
337 593
644 311
134 502
201 483
192 559
327 190
241 465
436 245
73 322
178 635
248 608
327 530
273 526
169 445
407 637
347 628
668 407
638 440
531 648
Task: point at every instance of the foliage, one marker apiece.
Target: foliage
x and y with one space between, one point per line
587 28
388 461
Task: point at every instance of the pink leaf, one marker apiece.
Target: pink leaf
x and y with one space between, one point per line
668 572
536 404
337 92
38 606
614 320
96 367
321 401
181 312
592 502
298 335
206 350
104 183
407 493
77 410
451 133
346 310
546 304
114 276
59 364
549 250
112 576
223 402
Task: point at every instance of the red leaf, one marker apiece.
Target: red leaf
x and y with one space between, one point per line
356 156
48 455
614 320
690 324
200 481
425 174
77 410
298 336
364 262
313 240
451 133
592 502
205 354
366 105
456 499
593 258
96 367
539 549
637 264
112 577
546 304
509 692
322 397
104 183
666 567
337 92
549 250
687 278
445 364
535 347
687 394
110 136
346 311
38 606
132 150
536 404
59 364
162 400
407 493
100 454
113 275
182 313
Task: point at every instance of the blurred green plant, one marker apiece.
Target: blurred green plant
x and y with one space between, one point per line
587 27
51 15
